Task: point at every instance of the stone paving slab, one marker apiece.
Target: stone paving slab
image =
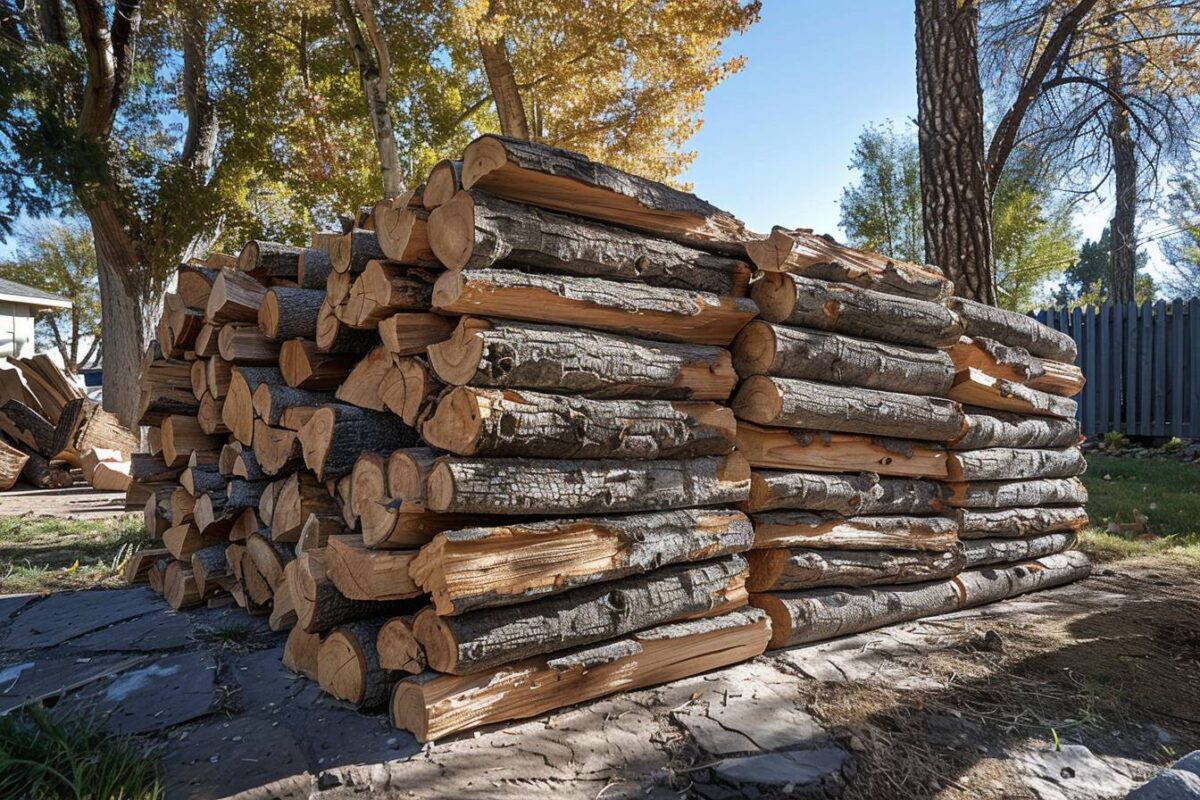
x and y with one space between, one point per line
36 679
64 616
157 695
232 756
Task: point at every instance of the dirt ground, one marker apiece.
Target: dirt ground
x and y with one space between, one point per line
78 502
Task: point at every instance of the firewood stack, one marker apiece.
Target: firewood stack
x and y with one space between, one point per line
477 451
881 471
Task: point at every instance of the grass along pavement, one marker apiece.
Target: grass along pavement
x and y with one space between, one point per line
46 554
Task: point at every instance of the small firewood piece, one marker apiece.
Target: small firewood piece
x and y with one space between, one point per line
184 540
1015 330
238 411
183 435
987 428
404 230
199 376
209 567
337 290
156 576
277 449
304 367
273 400
362 386
179 586
313 268
788 570
398 648
181 323
1016 364
210 416
982 552
25 425
385 288
269 259
786 448
802 252
407 470
490 422
353 250
336 434
210 516
12 461
842 308
235 297
834 532
475 568
200 479
409 333
270 557
342 490
137 567
218 373
157 516
976 388
1019 522
409 389
317 529
206 344
300 652
848 495
445 179
431 706
154 440
500 485
320 607
1003 463
145 468
334 336
297 497
679 315
288 313
792 403
475 231
245 344
194 284
364 574
283 611
243 494
348 665
504 355
255 584
245 523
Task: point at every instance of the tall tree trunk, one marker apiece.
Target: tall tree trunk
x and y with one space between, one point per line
955 196
374 70
1122 251
493 48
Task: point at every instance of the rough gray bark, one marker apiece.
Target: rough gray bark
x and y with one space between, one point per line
272 399
480 567
269 259
831 531
786 570
1018 494
547 486
1019 522
841 308
1018 364
1122 253
511 355
791 403
475 231
320 607
359 656
1014 329
766 349
202 479
243 494
293 313
987 428
313 269
635 309
351 252
846 494
481 640
820 614
981 552
209 565
489 422
1002 463
145 468
336 435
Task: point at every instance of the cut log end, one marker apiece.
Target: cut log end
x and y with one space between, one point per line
452 230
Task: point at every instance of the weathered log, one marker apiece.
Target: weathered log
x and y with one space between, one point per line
179 586
541 175
678 315
444 181
351 252
431 705
290 313
283 610
137 566
792 403
235 297
270 558
508 355
1019 522
183 504
145 468
1018 494
337 289
313 268
335 435
474 231
185 539
272 401
849 495
211 416
490 422
973 387
23 424
257 591
785 448
1014 329
788 570
238 411
205 345
802 252
398 648
1005 463
407 470
202 479
791 529
243 494
486 639
482 567
819 614
348 665
1016 364
364 574
842 308
766 349
269 259
320 607
199 375
218 373
305 367
410 333
602 486
986 428
982 552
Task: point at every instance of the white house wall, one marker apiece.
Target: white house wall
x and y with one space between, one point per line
16 330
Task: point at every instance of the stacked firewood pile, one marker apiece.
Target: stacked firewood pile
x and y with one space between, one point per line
51 433
477 451
908 448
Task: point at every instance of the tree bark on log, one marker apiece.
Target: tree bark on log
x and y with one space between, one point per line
335 435
238 411
245 344
476 568
490 422
841 308
792 403
431 706
547 487
235 297
848 495
987 428
1016 364
786 448
333 336
1018 494
766 349
277 449
813 616
305 367
984 552
363 574
272 400
1019 522
975 388
348 665
486 639
789 529
269 259
320 607
313 268
1015 330
1003 463
638 310
351 252
290 313
474 231
508 355
789 570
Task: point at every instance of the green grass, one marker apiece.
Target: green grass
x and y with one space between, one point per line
1166 491
67 752
39 554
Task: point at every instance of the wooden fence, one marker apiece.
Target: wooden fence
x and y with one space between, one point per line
1142 366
